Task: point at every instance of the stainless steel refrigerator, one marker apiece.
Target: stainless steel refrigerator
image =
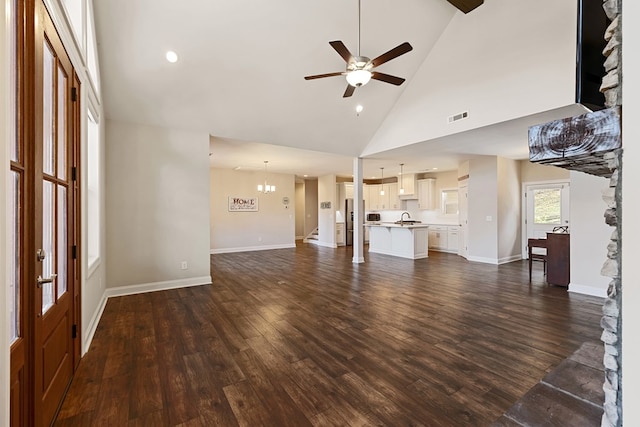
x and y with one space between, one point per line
348 221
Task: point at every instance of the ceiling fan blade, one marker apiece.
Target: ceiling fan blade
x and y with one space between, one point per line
387 78
320 76
393 53
349 91
342 50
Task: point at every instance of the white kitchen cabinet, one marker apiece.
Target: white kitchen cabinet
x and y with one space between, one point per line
408 183
453 238
373 201
427 193
340 240
438 237
348 187
444 238
393 202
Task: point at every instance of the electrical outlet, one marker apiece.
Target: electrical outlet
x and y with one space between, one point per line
259 239
183 265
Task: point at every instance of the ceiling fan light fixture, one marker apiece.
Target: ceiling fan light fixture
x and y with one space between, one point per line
357 78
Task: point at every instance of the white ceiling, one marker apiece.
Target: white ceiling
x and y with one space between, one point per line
240 72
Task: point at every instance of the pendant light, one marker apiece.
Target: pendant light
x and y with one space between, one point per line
382 180
266 188
401 191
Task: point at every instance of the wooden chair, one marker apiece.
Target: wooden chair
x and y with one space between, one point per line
537 243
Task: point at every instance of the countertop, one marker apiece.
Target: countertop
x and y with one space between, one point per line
394 225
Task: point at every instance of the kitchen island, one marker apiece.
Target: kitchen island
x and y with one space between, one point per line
408 240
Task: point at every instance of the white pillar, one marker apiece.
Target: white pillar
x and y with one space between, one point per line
630 214
358 212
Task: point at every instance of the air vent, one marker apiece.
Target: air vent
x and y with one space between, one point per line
458 116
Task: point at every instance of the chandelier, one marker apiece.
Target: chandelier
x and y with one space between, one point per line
266 188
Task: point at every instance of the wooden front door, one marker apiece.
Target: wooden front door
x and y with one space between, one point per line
46 352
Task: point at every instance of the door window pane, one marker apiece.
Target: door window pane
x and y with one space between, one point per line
547 206
61 280
14 271
47 109
13 83
62 124
48 224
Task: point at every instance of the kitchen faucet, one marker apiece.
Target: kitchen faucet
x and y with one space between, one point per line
402 217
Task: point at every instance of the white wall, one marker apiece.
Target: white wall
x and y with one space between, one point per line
271 227
5 106
590 235
326 217
157 207
509 210
506 60
631 213
483 210
534 172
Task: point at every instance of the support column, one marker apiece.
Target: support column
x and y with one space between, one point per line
358 211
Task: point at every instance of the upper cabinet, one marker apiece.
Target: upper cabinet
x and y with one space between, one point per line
426 193
407 188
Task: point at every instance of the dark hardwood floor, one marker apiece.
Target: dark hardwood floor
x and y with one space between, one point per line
303 336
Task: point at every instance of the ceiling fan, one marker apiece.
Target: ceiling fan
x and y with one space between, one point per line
361 69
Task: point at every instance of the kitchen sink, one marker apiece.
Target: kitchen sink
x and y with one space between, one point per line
408 221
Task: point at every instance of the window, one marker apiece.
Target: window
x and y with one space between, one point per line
93 190
547 206
450 201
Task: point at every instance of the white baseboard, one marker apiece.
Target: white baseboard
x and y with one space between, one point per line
587 290
251 248
93 324
482 260
157 286
495 261
509 259
325 245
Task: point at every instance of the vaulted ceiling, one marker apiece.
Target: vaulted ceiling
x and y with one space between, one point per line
239 76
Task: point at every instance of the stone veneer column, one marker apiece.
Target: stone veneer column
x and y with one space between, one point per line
611 320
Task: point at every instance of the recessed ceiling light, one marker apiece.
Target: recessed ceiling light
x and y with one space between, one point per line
171 56
359 108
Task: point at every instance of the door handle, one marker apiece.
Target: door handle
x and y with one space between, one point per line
41 280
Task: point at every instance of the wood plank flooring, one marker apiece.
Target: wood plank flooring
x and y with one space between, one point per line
304 337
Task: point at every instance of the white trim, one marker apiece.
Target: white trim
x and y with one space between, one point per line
511 258
483 260
523 221
587 290
359 260
251 248
93 325
157 286
324 244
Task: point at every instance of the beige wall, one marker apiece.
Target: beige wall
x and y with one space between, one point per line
157 206
300 210
310 205
590 235
509 210
271 227
533 172
326 217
